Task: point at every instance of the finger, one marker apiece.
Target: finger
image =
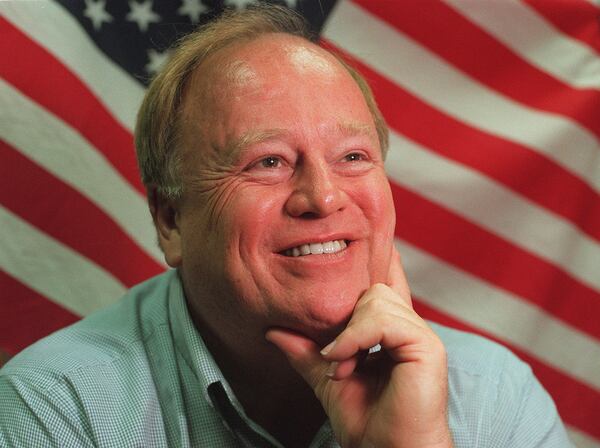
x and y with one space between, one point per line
400 338
397 278
378 304
302 354
340 370
381 300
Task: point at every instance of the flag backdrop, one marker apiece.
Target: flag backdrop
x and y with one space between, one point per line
494 112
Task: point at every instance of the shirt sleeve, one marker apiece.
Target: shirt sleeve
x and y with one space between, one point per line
532 418
31 416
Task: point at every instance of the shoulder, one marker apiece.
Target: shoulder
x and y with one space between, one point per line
101 338
479 366
86 371
494 397
473 355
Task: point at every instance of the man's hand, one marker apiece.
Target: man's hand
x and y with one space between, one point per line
393 398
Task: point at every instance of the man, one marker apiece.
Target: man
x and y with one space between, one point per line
263 158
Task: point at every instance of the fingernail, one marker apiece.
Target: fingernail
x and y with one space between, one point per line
332 368
327 348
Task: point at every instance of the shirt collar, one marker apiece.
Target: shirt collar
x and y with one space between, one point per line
189 343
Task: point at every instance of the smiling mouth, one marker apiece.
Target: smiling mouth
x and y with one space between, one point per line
328 247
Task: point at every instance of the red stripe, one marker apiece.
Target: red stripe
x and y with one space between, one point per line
60 211
520 169
577 403
445 32
35 72
27 316
577 18
461 243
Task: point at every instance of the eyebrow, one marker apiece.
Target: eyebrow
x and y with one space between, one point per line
235 147
353 129
250 138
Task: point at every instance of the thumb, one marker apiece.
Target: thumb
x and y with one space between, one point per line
397 278
302 353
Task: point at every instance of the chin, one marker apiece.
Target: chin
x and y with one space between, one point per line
327 318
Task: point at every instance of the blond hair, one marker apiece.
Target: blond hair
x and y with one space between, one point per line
157 128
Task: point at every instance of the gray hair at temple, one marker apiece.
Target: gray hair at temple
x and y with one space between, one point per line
157 128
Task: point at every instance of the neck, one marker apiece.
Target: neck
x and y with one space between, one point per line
271 392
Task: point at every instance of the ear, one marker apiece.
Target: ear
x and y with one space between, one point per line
165 216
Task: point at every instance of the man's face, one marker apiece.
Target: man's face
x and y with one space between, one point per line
281 163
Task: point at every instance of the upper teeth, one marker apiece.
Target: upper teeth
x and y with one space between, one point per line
329 247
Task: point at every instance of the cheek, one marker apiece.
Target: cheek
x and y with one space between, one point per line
226 234
250 221
206 224
374 197
377 206
253 214
214 200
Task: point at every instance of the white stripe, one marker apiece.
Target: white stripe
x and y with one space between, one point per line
54 270
63 152
53 28
429 77
494 207
502 314
582 440
525 31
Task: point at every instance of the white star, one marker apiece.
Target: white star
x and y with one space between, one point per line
142 14
239 3
156 60
96 12
192 9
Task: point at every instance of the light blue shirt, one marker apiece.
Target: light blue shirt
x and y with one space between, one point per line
138 374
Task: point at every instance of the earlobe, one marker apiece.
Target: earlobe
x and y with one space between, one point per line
165 216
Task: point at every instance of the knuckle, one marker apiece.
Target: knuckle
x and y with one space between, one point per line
377 298
374 306
439 345
387 322
380 288
436 345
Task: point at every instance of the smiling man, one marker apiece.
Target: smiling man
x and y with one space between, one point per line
263 156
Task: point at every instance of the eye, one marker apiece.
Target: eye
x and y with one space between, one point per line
269 169
354 157
270 162
355 163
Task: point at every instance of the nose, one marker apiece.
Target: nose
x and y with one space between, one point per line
316 193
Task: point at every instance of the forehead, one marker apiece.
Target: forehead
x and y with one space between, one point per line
244 64
258 84
249 65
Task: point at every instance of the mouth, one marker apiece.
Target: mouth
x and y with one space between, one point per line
316 248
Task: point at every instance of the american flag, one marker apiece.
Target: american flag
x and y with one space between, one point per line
494 112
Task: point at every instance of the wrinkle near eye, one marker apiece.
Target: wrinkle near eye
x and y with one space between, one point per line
212 195
217 202
205 181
